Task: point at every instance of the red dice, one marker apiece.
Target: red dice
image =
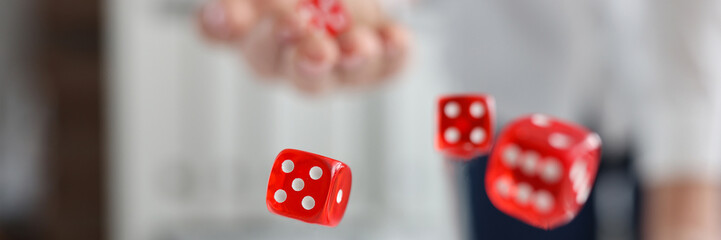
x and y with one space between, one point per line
465 125
326 14
308 187
542 169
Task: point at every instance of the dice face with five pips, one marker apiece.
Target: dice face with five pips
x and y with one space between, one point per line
542 169
465 125
329 15
309 187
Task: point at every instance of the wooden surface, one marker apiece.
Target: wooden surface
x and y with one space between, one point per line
71 66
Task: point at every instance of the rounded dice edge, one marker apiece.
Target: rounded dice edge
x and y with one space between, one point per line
338 170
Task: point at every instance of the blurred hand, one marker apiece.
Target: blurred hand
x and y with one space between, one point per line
277 42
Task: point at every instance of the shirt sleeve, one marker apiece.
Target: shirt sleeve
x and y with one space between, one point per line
679 115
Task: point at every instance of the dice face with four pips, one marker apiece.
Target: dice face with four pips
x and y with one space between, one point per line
309 187
465 125
329 15
542 169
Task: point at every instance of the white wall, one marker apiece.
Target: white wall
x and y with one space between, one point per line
193 137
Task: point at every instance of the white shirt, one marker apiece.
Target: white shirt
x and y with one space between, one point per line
644 73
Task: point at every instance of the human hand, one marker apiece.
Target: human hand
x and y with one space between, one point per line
277 42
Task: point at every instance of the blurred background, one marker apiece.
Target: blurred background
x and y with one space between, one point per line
119 121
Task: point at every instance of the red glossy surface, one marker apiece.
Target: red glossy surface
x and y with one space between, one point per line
328 208
472 117
542 169
327 14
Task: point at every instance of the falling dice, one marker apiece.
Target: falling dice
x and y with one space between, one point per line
326 14
308 187
542 169
465 125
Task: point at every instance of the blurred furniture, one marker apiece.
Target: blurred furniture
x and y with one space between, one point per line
70 54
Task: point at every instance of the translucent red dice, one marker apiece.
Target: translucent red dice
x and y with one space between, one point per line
326 14
465 125
542 169
308 187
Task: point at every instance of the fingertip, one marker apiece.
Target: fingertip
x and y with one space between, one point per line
244 15
396 39
223 20
396 43
313 62
213 20
318 48
311 76
357 47
310 67
291 22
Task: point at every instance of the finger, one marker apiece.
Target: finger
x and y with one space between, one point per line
278 30
360 56
365 12
312 62
262 48
227 20
292 22
396 48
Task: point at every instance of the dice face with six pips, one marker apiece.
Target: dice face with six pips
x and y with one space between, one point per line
542 169
309 187
465 125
